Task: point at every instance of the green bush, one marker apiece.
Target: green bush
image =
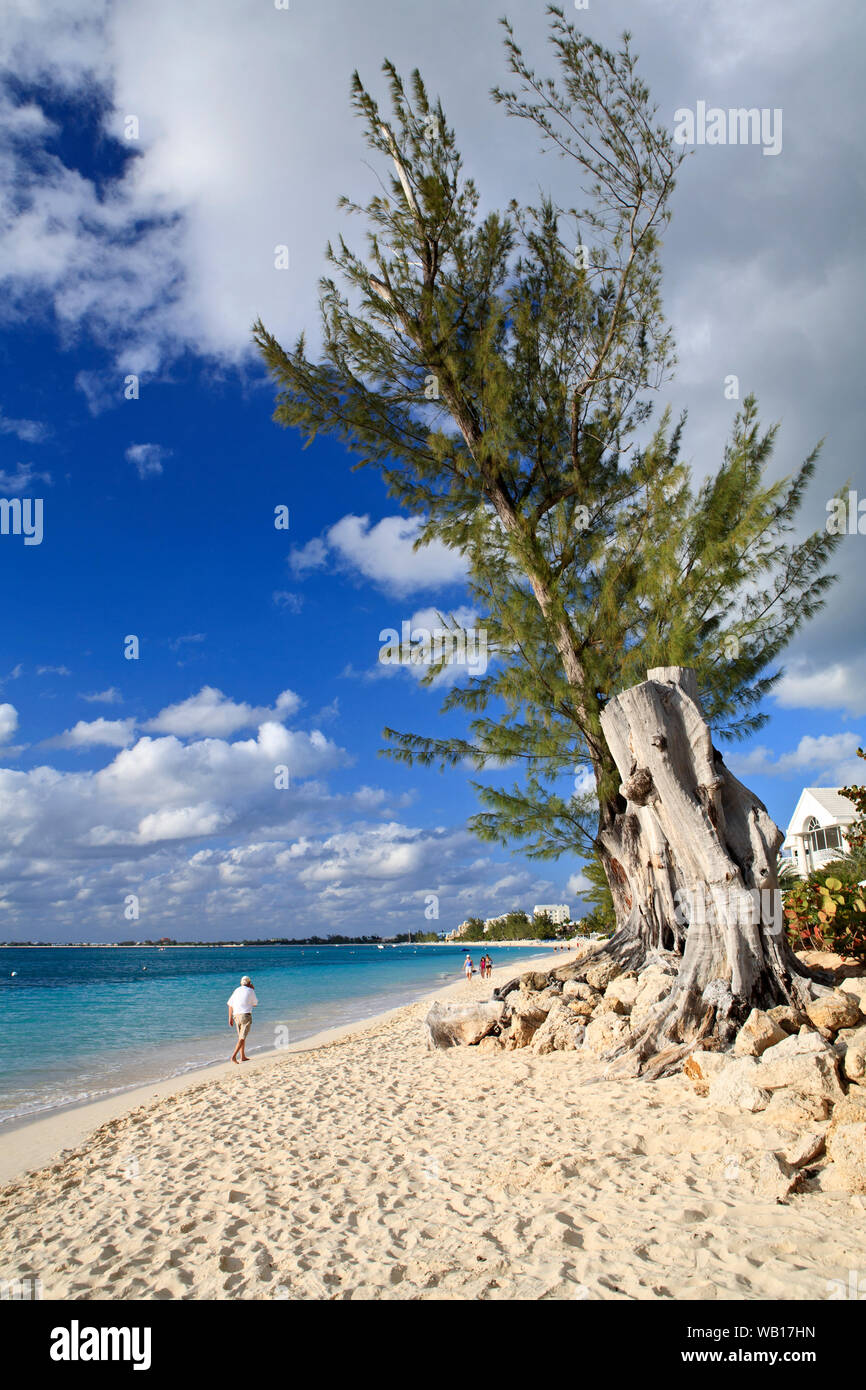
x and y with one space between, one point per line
825 914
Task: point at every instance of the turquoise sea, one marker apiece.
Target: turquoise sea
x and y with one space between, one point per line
82 1023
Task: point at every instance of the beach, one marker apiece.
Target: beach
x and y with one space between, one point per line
359 1165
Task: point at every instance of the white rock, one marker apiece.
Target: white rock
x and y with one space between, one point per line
812 1073
757 1034
604 1032
737 1085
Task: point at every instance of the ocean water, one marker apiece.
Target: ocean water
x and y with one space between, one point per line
82 1023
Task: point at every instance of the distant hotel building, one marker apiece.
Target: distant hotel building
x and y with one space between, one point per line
559 913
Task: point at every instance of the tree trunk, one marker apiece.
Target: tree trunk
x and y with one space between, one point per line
690 855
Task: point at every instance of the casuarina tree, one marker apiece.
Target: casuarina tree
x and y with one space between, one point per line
498 367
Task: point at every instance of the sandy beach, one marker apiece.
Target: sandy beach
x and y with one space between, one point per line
360 1165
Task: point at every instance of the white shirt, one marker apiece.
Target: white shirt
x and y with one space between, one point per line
243 999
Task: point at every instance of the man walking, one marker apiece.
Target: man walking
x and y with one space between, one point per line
241 1005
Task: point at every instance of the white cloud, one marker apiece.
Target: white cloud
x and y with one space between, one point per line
8 722
212 713
22 479
108 733
148 458
28 431
111 696
312 556
840 685
823 759
284 599
577 885
385 554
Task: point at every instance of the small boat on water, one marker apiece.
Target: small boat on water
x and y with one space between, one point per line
380 948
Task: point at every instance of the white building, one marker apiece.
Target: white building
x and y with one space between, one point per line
494 921
559 913
816 833
458 931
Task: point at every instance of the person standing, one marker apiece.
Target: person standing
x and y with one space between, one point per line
241 1004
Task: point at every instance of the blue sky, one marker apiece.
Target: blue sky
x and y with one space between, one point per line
155 776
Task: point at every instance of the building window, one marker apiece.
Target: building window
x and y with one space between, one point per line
820 839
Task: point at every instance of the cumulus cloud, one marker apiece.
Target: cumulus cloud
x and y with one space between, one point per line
827 759
212 713
808 684
384 553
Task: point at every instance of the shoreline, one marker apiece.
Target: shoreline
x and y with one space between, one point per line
29 1144
365 1167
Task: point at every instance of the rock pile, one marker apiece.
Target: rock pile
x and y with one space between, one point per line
803 1072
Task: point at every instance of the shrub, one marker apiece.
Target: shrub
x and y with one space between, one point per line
825 914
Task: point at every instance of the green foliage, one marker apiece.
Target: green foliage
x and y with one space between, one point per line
499 381
825 914
602 918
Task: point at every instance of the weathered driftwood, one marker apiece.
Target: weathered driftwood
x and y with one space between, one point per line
692 863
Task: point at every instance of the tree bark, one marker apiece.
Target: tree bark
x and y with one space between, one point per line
690 855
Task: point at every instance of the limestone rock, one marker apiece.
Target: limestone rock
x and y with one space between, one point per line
600 974
534 979
521 1031
789 1018
583 1008
804 1149
801 1044
579 989
622 992
771 1178
654 985
835 1011
846 1150
556 1033
736 1084
812 1073
531 1004
457 1024
854 1060
757 1034
851 1110
856 986
606 1031
793 1109
491 1044
703 1066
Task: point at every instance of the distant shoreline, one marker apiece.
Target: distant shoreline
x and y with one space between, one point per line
252 945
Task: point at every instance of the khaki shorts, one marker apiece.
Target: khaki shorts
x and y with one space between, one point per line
242 1023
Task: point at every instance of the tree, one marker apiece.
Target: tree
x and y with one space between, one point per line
598 895
495 369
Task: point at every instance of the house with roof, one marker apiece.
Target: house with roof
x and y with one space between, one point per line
816 832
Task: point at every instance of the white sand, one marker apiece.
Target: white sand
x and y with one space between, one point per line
367 1167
